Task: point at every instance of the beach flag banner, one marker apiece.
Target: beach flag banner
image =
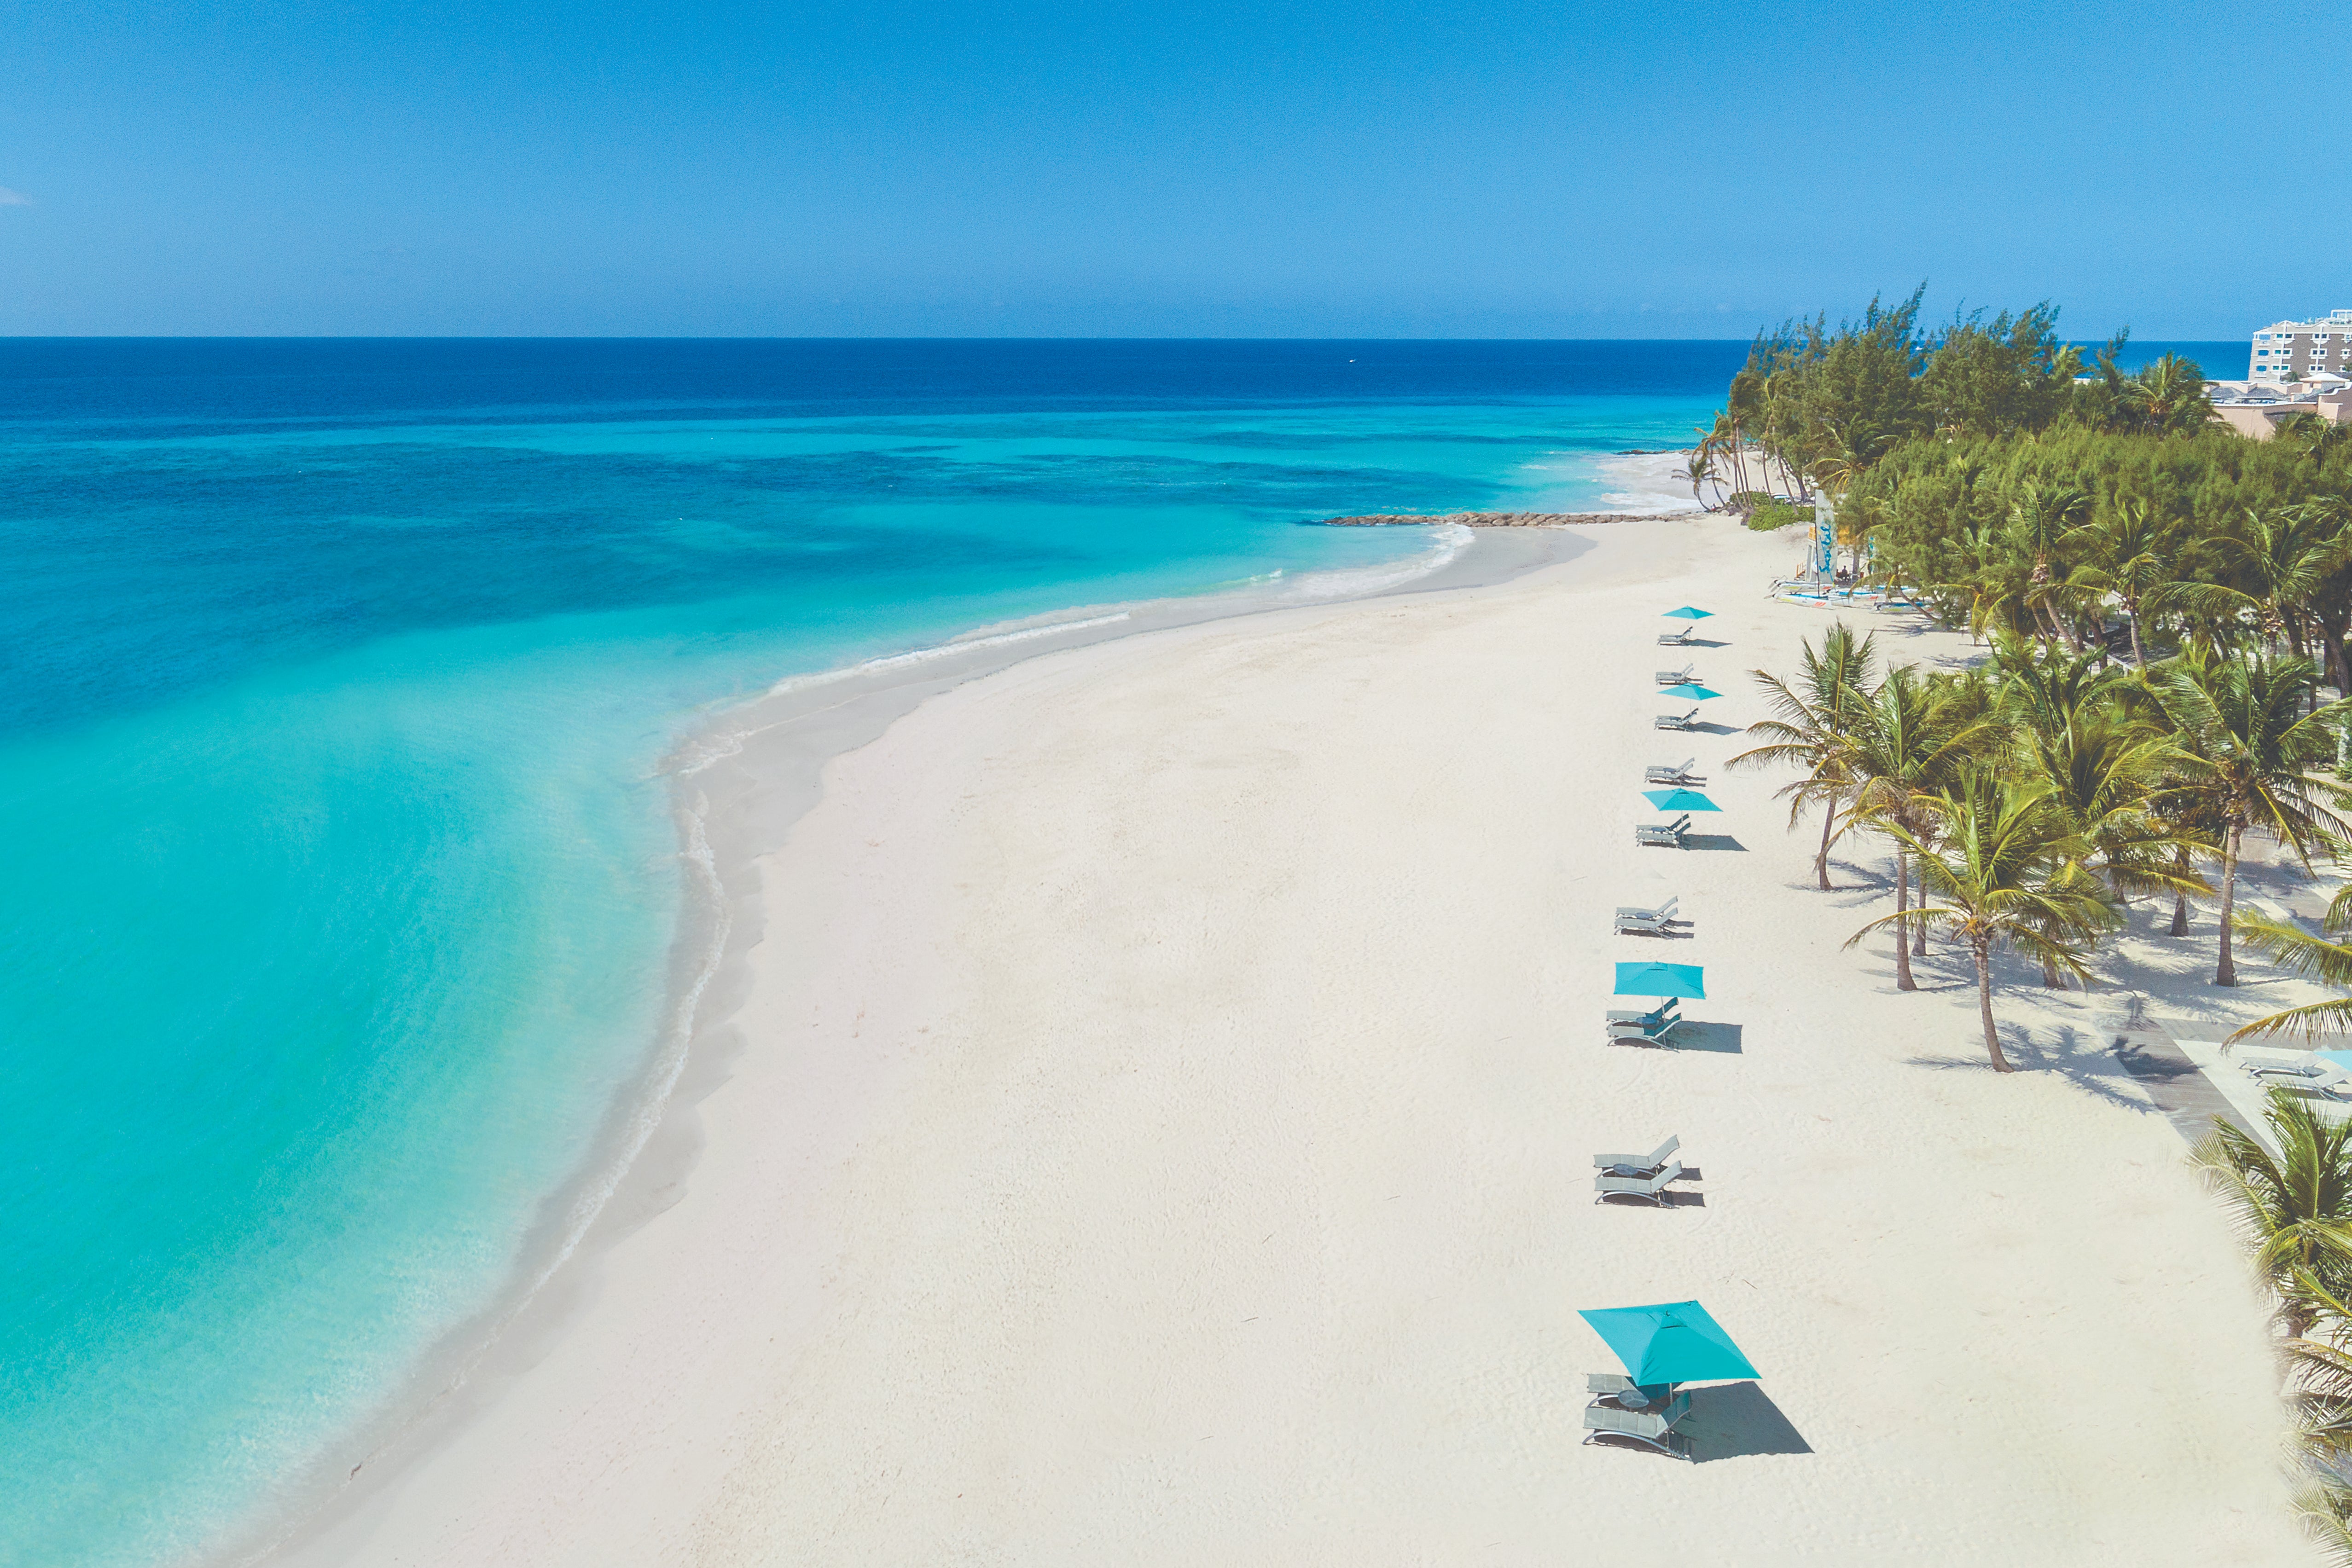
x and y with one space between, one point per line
1673 1341
1679 800
1689 613
1825 539
1688 982
1688 689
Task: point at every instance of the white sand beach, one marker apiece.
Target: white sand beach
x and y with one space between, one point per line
1156 1122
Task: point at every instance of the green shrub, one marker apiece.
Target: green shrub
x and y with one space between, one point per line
1768 515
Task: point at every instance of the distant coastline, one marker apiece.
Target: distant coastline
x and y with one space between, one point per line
1512 519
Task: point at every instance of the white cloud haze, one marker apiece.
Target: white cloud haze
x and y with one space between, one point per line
9 198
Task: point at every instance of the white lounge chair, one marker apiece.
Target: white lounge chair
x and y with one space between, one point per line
1634 1414
1663 835
1677 638
1657 922
2321 1077
1677 721
1638 1164
1672 773
1662 1011
1650 1189
1643 1032
1676 677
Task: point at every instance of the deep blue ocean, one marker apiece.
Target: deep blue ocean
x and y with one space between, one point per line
340 881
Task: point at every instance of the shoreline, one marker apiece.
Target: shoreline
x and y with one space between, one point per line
693 1435
652 1140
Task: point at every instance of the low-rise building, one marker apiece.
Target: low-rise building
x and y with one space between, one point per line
2255 407
2289 352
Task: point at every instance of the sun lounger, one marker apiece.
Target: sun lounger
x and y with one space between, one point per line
1677 720
1663 835
1650 1189
1669 773
1652 1423
1675 638
1665 912
2324 1077
2256 1057
1662 1011
1638 1164
1644 922
1676 677
1642 1033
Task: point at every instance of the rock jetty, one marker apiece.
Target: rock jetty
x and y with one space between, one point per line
1514 519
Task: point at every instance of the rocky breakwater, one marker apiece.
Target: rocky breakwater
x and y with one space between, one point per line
1513 519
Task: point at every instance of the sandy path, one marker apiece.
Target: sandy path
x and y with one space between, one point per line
1164 1132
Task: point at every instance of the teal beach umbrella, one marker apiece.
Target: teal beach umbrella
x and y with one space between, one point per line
1687 613
1687 689
1686 980
1679 800
1674 1342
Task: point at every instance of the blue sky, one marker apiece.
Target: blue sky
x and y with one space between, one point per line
1486 169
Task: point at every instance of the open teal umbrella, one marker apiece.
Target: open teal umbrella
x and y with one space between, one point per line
1679 800
1686 980
1687 613
1674 1342
1687 689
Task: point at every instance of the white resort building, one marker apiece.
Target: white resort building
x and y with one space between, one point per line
2295 350
2297 367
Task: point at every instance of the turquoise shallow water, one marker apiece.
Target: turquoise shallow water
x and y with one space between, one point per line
340 883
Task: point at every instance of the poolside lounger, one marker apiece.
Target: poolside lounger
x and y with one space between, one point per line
1638 1164
1662 1011
1665 912
1663 835
1671 773
2262 1058
1653 1423
1675 638
1677 721
1650 1189
2323 1076
1676 677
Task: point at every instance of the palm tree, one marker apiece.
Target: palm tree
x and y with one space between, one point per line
1909 744
1815 728
2298 952
2326 1509
2247 756
2040 519
1698 468
2167 397
2129 554
2296 1207
2284 558
2008 867
2112 775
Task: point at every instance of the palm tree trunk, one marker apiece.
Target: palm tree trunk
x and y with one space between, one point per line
1902 981
2050 977
2180 900
1920 935
1822 861
2225 973
2131 619
1984 1006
